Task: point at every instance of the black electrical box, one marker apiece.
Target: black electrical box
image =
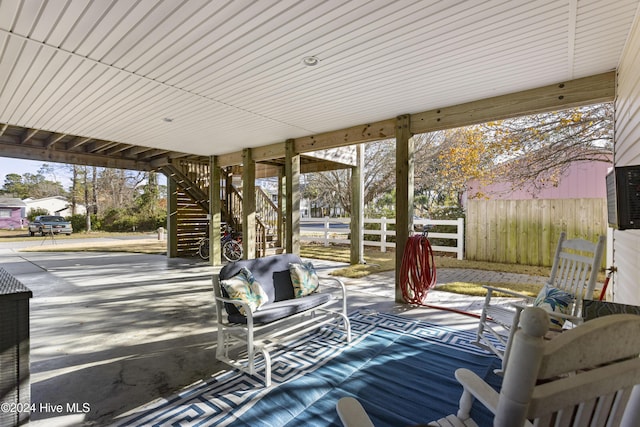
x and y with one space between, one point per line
623 197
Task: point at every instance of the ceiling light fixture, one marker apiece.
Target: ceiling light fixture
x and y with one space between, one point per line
310 61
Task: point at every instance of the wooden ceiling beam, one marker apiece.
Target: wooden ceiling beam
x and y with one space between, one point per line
95 146
54 139
231 159
322 166
28 135
78 142
153 153
135 150
266 171
268 152
376 131
118 149
77 158
572 93
560 96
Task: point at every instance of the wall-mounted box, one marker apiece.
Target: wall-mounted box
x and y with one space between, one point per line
623 197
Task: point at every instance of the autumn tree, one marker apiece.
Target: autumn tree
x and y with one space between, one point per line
536 150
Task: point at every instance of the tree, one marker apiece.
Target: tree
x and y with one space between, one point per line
329 190
14 185
148 200
31 185
534 149
333 189
538 149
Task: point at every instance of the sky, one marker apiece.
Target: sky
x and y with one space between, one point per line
19 166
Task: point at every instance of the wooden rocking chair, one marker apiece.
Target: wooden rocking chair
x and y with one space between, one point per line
573 277
589 375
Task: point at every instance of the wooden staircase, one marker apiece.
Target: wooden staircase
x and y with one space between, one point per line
192 180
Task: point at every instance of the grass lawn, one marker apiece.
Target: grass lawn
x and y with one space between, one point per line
73 243
377 261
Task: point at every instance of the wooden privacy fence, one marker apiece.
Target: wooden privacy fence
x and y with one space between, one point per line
527 231
336 230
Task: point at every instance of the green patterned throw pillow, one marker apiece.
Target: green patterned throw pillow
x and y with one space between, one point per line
304 279
555 300
244 287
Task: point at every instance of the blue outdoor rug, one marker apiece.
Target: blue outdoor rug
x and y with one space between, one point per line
402 371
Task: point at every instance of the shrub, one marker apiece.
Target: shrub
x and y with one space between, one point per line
78 222
34 212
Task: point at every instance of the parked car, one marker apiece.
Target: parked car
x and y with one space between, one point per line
45 224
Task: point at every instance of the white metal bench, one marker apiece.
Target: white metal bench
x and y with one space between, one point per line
242 336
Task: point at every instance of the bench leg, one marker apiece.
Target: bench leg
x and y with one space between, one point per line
267 367
347 326
251 354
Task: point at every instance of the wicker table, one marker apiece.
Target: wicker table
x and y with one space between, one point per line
15 395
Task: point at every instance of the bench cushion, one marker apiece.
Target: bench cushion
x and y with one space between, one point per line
271 272
304 279
281 309
243 287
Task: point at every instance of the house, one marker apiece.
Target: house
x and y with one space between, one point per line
55 205
12 213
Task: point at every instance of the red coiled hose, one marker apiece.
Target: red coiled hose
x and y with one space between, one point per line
418 273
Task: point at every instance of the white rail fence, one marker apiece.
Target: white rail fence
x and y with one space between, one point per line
336 230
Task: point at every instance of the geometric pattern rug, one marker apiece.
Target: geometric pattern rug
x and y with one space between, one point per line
400 369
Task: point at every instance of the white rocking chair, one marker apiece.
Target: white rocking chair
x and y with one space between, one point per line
574 272
589 375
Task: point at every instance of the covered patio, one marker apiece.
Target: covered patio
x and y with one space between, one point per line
114 341
197 90
200 90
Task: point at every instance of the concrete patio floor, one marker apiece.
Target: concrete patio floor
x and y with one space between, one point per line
111 332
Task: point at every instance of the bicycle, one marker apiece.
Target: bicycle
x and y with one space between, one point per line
231 246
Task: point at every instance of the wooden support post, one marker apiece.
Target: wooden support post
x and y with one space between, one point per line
357 208
281 207
292 176
215 209
404 193
172 219
228 190
248 204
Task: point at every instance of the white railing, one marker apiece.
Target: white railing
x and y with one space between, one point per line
336 230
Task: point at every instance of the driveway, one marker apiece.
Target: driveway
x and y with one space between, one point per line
113 331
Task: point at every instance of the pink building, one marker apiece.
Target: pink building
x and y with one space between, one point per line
12 212
583 180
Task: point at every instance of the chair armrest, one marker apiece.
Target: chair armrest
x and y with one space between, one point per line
576 320
352 414
244 305
334 282
476 387
491 289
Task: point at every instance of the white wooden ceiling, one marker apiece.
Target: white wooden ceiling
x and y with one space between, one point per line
213 77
